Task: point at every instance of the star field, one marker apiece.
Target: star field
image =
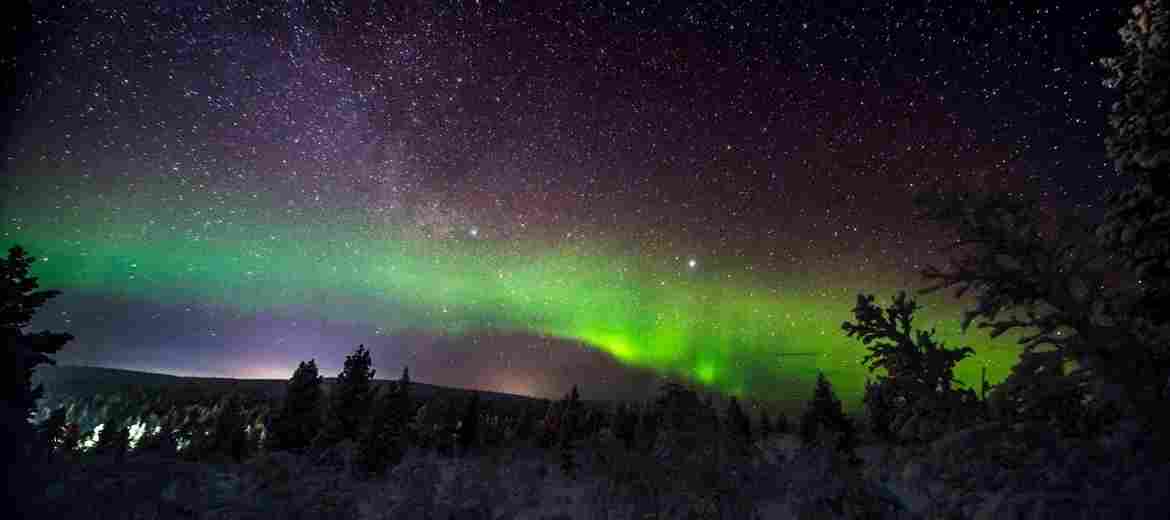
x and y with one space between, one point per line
524 197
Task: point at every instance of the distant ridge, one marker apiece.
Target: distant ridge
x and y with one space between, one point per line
82 381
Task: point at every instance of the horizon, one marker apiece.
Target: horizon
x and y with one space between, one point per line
584 391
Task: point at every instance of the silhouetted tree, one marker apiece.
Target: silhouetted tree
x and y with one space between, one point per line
595 421
571 409
1051 281
681 407
910 356
765 424
739 425
1137 226
1099 309
22 353
550 425
351 396
571 416
649 422
407 408
824 420
230 437
781 425
468 433
708 415
882 411
385 440
917 377
299 420
688 428
626 426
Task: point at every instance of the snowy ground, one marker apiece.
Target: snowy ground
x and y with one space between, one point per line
781 481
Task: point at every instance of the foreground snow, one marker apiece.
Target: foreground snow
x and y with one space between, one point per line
955 477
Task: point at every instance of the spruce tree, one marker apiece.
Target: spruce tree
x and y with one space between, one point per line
649 423
299 420
781 425
1094 313
1138 223
824 419
22 353
604 420
709 422
626 426
765 424
404 387
1087 345
570 424
385 440
883 412
350 399
1053 284
571 416
406 408
1137 226
681 408
229 437
739 426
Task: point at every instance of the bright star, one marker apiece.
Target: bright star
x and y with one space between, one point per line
692 263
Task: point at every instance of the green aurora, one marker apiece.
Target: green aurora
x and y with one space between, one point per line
743 332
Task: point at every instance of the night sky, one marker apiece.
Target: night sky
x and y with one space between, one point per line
519 197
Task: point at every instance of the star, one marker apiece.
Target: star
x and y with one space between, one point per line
429 175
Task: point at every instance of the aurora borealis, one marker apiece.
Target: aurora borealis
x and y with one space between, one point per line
524 198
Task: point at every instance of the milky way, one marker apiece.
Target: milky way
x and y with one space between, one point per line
481 191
